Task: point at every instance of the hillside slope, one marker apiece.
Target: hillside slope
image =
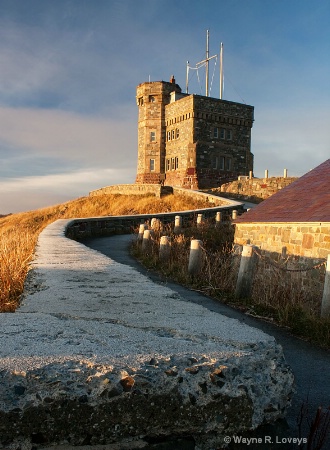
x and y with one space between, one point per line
19 232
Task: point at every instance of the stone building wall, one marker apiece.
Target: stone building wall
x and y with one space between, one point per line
308 240
151 99
212 141
180 159
189 140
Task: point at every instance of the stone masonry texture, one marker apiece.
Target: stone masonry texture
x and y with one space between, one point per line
255 189
297 217
189 140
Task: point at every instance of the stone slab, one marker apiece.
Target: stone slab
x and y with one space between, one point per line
98 354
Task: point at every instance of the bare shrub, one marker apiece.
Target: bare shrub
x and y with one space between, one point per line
290 299
220 264
318 427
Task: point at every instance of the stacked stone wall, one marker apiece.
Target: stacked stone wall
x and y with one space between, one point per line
216 158
255 189
158 191
129 189
229 111
108 226
307 240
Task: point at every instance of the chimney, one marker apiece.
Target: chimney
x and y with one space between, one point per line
172 80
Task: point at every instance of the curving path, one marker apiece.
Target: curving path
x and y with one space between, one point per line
310 364
99 353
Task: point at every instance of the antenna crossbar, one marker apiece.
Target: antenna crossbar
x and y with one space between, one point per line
205 62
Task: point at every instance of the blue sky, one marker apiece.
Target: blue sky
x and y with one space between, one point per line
69 69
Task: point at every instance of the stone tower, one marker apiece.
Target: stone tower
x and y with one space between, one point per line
151 98
189 140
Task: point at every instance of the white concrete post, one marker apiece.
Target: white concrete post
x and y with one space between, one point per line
246 272
177 224
218 219
234 214
266 173
164 248
146 242
156 224
285 174
325 308
142 228
200 220
195 257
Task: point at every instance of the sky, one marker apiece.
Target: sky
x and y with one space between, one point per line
69 71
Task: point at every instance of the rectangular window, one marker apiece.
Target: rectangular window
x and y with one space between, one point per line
228 163
152 165
176 163
216 132
177 133
215 162
172 163
152 136
173 134
168 165
222 133
229 135
168 135
222 163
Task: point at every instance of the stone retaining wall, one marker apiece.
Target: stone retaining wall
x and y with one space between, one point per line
106 226
159 191
130 189
109 225
255 189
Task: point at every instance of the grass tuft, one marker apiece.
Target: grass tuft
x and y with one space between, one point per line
289 299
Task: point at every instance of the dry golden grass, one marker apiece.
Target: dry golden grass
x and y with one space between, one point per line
19 232
285 298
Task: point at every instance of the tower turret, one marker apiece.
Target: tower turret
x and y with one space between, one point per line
151 98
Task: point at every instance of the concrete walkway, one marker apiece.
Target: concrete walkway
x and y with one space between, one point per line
310 364
95 340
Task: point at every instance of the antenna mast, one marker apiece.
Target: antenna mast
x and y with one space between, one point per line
207 64
221 70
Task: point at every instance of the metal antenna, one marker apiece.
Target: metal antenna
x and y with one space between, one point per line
221 70
187 77
207 64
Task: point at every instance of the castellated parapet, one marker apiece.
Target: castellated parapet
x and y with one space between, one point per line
191 141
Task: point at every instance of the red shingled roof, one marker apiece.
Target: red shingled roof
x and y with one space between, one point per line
305 200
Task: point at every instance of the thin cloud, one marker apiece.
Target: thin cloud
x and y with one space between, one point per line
58 134
287 139
47 190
